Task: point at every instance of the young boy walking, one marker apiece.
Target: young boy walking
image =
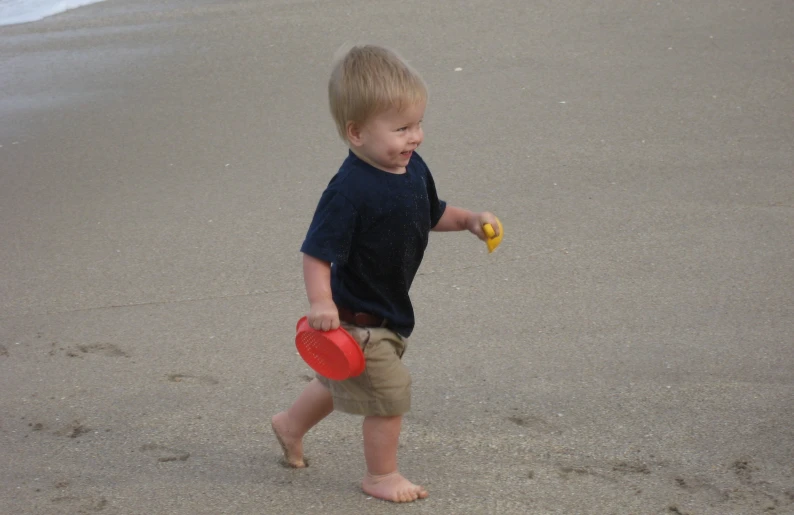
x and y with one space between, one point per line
361 253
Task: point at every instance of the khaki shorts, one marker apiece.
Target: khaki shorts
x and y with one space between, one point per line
384 388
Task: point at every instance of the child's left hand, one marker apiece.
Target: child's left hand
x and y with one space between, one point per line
477 220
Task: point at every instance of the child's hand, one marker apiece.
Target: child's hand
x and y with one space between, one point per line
477 220
323 315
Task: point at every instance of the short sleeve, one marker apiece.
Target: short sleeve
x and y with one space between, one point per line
331 231
437 206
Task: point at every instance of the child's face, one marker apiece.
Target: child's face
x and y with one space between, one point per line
387 140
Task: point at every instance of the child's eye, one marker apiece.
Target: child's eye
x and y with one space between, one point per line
401 129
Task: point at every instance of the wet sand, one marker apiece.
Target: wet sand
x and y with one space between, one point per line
628 348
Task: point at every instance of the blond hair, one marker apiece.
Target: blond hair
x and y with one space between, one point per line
367 80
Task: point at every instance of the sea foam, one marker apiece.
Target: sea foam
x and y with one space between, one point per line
23 11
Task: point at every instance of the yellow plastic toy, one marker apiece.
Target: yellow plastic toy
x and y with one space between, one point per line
493 241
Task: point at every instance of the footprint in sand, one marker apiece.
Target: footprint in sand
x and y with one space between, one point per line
768 497
533 423
103 349
188 378
73 430
626 467
164 454
744 468
602 470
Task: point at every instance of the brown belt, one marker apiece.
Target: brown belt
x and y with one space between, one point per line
361 319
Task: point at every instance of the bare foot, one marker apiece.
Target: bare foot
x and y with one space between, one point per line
292 446
392 487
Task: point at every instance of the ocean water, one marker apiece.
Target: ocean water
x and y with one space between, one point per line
23 11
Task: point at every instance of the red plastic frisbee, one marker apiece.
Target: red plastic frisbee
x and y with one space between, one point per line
332 354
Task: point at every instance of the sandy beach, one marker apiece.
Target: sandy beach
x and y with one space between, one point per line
629 349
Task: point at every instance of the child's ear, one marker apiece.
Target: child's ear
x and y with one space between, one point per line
353 132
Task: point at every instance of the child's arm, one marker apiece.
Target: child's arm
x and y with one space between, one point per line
457 219
323 313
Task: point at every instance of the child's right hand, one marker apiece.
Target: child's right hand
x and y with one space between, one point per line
323 315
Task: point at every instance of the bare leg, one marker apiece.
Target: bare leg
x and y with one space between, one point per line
313 405
381 436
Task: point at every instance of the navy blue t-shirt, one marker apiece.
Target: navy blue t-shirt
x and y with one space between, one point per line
373 227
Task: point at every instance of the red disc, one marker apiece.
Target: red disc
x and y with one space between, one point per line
332 354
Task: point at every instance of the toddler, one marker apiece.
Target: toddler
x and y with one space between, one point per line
361 253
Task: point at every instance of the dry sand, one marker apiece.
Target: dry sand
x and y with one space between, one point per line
628 349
